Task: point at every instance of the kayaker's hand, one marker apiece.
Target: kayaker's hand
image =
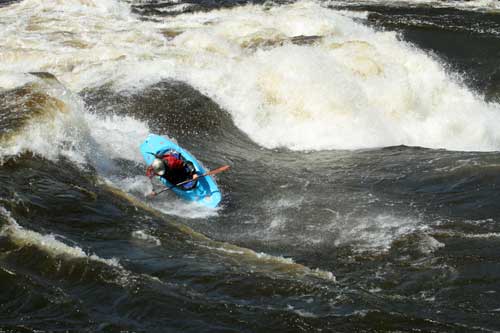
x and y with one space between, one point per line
150 172
195 176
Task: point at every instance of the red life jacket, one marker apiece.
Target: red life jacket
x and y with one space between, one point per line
175 166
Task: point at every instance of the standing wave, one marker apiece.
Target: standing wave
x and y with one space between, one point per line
299 76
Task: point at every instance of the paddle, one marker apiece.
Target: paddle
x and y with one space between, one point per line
212 172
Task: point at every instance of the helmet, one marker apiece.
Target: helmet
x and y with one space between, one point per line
158 166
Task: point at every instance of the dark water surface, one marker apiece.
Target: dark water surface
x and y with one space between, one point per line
396 238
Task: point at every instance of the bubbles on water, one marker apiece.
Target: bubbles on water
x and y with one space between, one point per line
278 211
166 202
173 205
373 232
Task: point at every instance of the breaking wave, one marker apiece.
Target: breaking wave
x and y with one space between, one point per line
300 76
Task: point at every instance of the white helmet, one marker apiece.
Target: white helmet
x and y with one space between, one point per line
158 166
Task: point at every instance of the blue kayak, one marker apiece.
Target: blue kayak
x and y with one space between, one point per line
205 192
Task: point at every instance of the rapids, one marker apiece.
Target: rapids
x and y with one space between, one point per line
363 141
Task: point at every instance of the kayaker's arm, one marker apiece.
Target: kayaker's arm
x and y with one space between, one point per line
150 172
209 173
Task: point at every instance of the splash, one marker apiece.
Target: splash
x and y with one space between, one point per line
167 203
47 243
49 120
374 233
300 76
37 115
344 87
43 117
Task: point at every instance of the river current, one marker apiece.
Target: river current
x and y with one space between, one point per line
363 139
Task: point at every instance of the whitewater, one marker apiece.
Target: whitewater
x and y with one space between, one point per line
298 76
362 139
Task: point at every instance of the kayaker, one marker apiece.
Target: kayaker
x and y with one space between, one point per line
173 168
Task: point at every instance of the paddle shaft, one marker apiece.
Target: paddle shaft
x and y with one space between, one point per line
212 172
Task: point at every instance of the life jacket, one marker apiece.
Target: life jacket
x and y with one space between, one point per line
177 170
173 163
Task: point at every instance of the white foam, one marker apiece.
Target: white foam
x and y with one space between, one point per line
116 136
178 207
145 236
47 243
281 259
222 249
88 138
11 80
428 244
272 258
376 233
352 88
166 202
53 133
136 184
72 131
276 209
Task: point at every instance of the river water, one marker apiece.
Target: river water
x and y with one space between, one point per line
363 139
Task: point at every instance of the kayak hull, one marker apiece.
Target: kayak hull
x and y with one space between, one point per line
205 192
